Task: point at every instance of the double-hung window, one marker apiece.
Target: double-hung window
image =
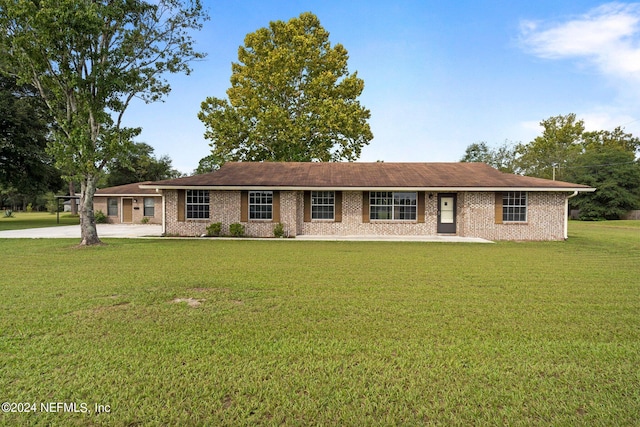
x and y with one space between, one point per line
149 206
261 205
112 206
323 204
514 206
197 204
404 206
398 206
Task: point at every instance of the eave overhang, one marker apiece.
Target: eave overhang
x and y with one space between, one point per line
127 195
309 188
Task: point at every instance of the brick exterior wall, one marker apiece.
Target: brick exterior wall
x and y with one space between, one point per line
352 224
545 217
173 227
100 204
475 217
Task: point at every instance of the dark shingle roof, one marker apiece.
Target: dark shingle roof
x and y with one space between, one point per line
362 175
127 190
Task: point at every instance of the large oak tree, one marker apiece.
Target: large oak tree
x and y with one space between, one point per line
291 98
89 59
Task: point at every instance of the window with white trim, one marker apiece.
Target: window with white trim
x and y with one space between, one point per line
261 205
514 206
323 204
197 204
149 206
397 206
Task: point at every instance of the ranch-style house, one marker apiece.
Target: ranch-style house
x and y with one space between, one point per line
128 204
346 199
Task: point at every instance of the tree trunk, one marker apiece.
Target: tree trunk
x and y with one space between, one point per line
88 230
72 192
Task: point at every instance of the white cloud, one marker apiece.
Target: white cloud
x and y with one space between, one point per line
607 119
607 37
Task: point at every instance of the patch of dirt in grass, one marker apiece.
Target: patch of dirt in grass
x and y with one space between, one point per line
191 302
227 402
218 295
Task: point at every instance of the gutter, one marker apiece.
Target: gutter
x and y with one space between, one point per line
164 216
566 213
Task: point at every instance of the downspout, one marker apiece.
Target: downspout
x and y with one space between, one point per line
164 214
566 214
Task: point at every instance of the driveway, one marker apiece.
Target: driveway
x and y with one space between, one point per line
73 231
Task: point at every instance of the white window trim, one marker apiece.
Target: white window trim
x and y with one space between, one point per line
117 206
249 204
144 206
506 206
333 205
187 204
393 207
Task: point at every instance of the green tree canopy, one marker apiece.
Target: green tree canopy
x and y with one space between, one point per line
291 98
89 59
140 165
617 138
614 173
556 148
210 163
602 159
24 130
502 158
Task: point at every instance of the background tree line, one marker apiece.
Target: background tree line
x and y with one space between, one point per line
603 159
28 175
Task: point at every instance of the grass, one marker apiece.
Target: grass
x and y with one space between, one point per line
325 333
22 220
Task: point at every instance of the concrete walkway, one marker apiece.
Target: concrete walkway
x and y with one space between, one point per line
152 230
450 239
73 231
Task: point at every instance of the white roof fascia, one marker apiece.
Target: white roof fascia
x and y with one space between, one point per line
127 195
434 189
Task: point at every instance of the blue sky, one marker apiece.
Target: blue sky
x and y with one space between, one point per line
438 75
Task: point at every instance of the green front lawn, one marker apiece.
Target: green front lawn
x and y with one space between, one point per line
325 333
22 220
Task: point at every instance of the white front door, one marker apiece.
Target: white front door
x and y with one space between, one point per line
446 213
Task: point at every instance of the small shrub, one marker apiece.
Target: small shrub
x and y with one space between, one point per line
236 229
8 213
278 230
214 229
52 204
145 220
100 217
29 207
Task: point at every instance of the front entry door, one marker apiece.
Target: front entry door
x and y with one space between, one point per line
447 213
127 210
